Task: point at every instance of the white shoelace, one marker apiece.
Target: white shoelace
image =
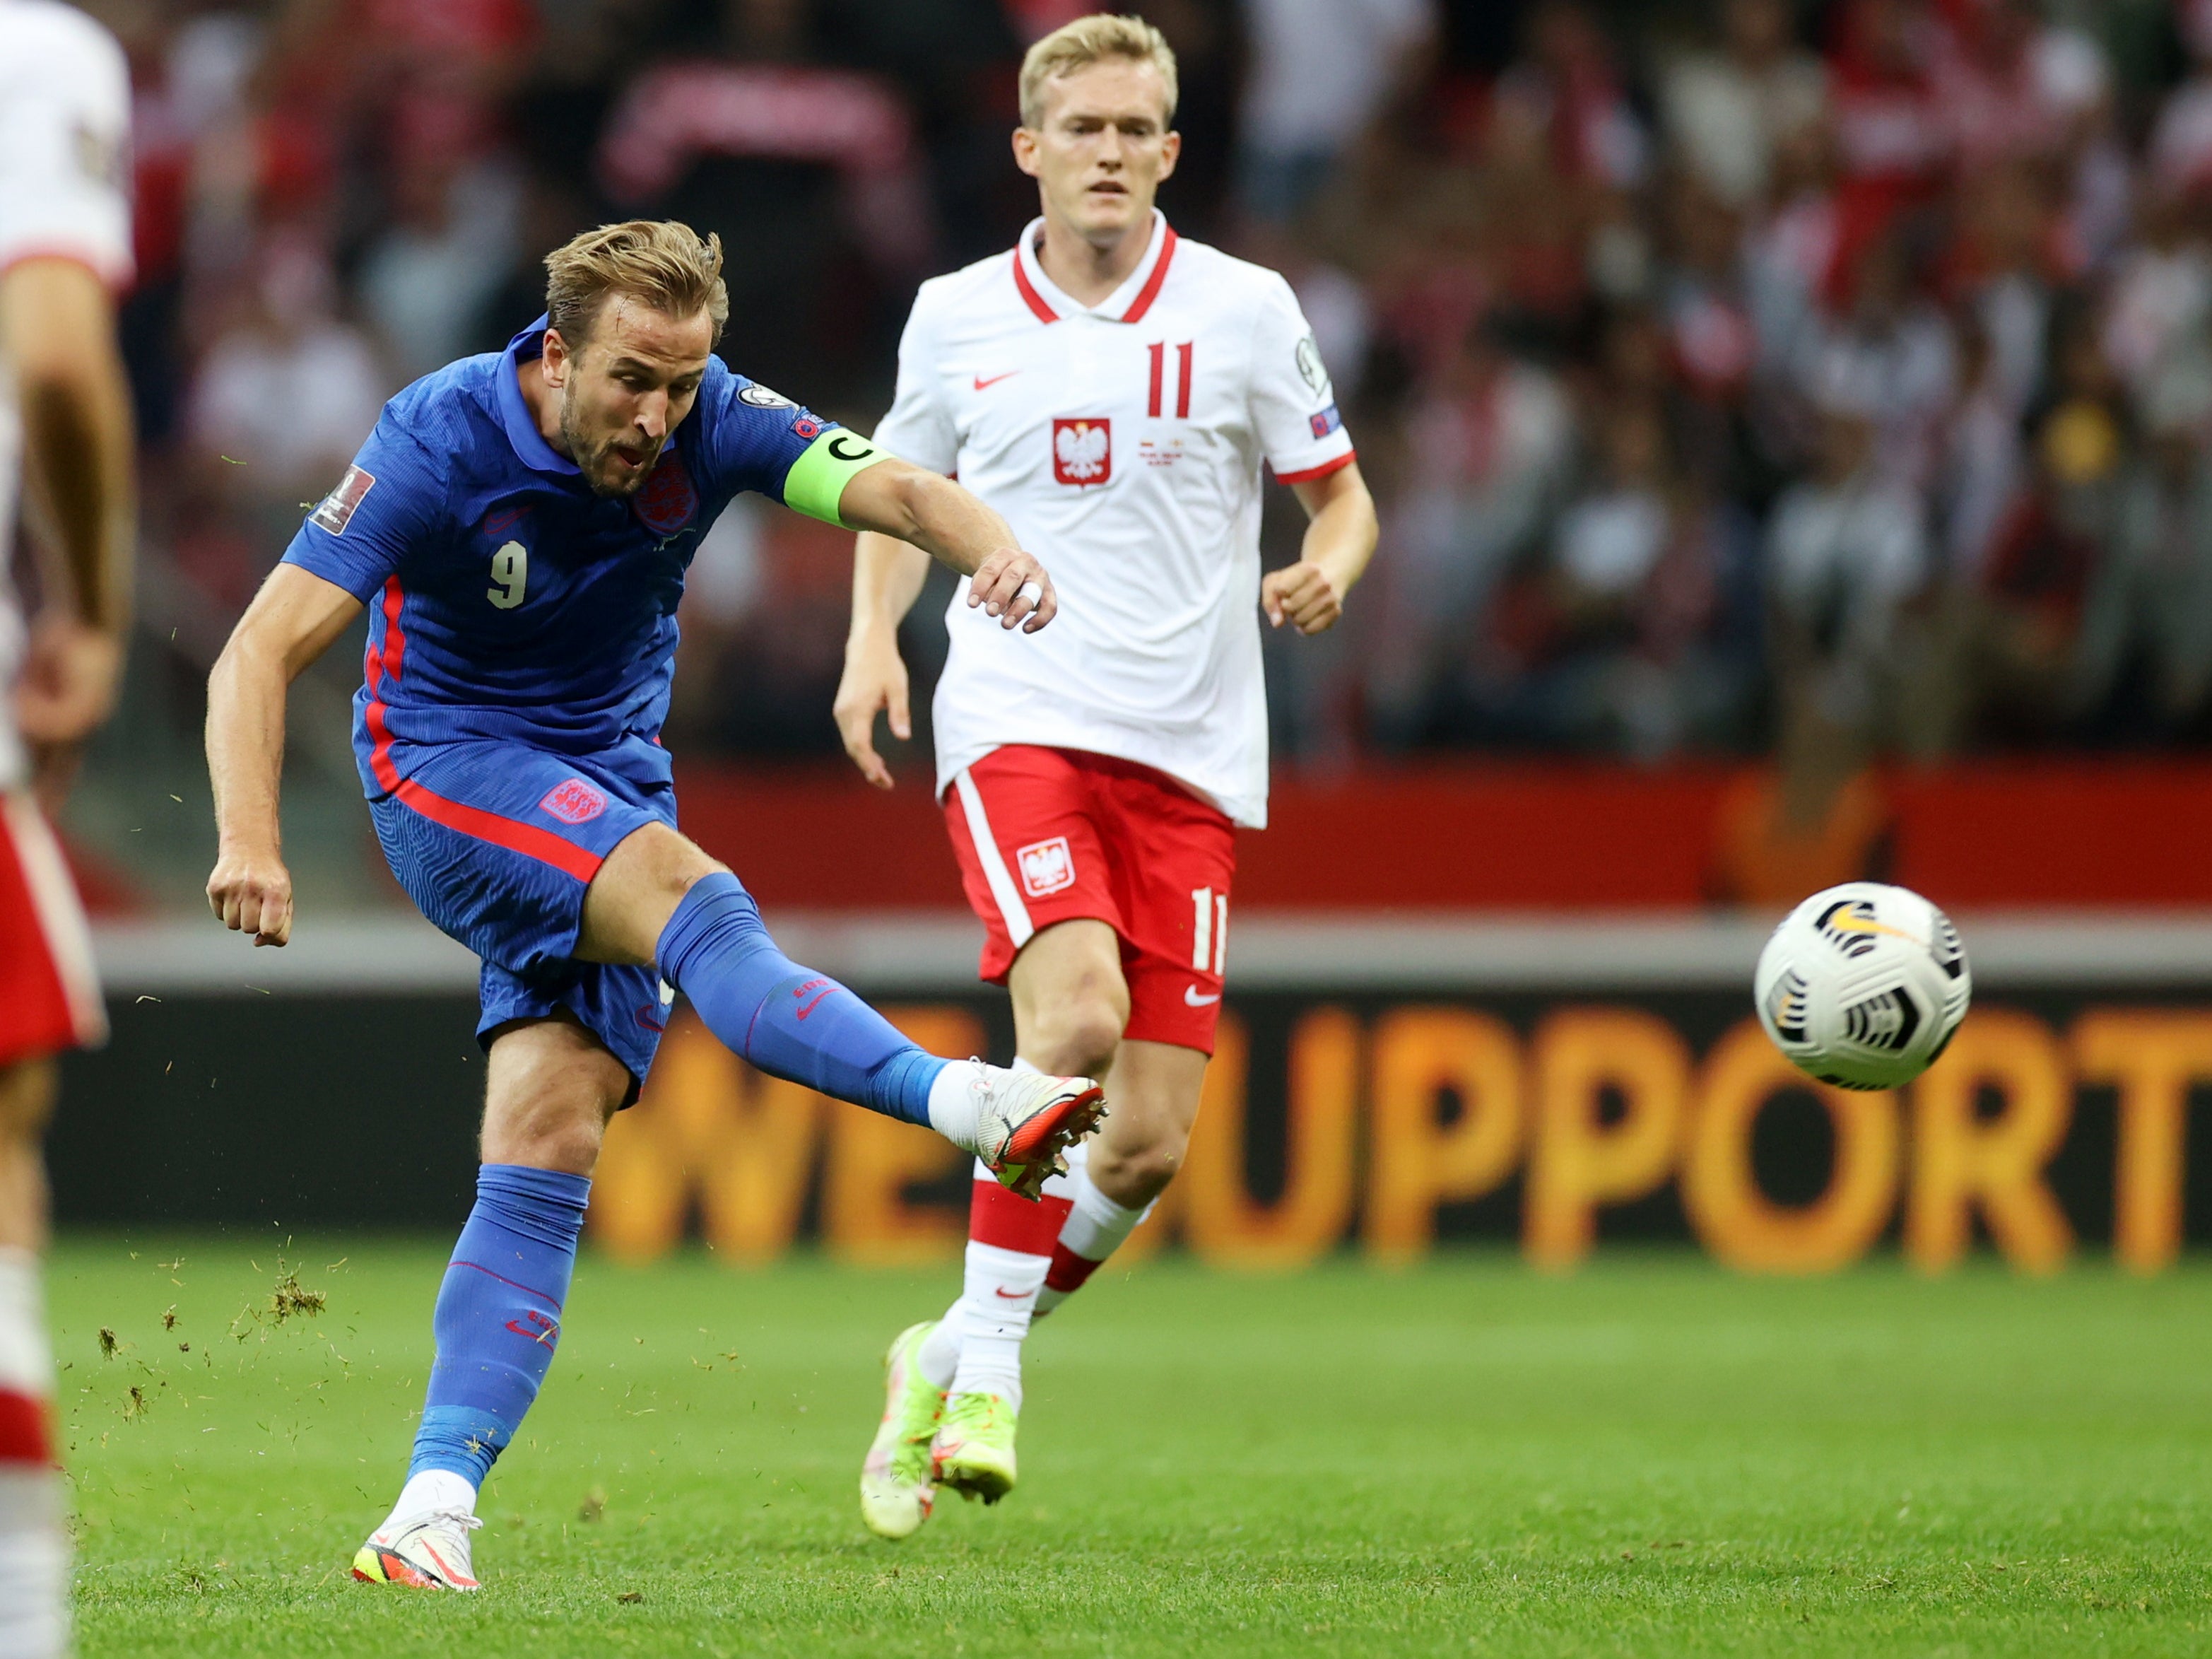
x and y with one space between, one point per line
458 1518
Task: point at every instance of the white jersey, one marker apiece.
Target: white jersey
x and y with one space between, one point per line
1123 442
64 154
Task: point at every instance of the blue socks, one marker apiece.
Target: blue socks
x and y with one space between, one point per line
499 1315
499 1310
789 1021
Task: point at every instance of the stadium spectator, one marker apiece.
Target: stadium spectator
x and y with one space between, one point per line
811 176
2179 156
1632 581
2161 302
1893 136
1846 547
1982 470
426 278
1711 344
2015 87
1727 110
1322 70
1891 344
286 390
1489 445
1571 76
1991 213
2021 527
2146 657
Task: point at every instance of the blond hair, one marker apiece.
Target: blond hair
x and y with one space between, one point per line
1085 41
660 262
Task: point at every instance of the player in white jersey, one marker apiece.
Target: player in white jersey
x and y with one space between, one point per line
65 435
1114 391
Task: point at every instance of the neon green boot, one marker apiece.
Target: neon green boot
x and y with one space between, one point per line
975 1450
896 1488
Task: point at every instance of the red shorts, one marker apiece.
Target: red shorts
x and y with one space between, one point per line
49 993
1046 836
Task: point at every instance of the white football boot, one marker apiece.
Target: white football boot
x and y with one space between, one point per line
429 1550
1024 1120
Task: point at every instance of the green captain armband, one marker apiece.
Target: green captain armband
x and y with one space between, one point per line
817 478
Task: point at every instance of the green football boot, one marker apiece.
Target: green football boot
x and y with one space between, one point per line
896 1489
975 1450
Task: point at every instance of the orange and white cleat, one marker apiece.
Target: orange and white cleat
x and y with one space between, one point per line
1024 1120
429 1550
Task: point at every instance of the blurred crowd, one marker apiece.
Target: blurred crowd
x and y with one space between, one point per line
1734 376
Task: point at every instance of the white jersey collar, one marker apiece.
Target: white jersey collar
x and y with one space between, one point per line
1125 304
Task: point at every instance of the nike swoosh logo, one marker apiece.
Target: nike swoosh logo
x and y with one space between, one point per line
1010 1295
1191 996
1867 928
982 384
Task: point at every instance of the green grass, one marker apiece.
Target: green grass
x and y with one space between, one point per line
1651 1458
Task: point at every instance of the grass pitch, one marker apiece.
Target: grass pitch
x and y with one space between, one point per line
1652 1458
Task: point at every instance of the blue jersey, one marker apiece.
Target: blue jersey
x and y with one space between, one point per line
509 603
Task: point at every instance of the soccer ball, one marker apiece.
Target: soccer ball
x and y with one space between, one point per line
1862 985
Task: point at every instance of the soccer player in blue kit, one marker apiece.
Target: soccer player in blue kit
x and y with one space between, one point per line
518 526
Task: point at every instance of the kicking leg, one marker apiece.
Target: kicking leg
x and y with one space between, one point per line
33 1551
659 901
549 1090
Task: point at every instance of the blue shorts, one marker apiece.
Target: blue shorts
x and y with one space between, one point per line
496 843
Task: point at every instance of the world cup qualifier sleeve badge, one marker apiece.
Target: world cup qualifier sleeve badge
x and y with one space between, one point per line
336 510
1082 452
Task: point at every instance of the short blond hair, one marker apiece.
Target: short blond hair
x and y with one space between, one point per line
666 264
1085 41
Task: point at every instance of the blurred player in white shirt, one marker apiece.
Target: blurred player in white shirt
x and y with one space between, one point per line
65 431
1115 392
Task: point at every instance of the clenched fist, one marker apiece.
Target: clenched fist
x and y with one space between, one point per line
1303 595
253 894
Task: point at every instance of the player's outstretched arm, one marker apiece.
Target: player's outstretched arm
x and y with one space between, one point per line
57 329
897 498
1340 540
291 621
887 578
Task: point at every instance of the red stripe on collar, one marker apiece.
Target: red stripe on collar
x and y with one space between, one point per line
1151 291
1045 313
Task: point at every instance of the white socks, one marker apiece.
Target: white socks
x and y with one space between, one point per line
953 1107
433 1489
27 1358
994 1317
35 1565
938 1357
976 1347
1095 1229
34 1555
